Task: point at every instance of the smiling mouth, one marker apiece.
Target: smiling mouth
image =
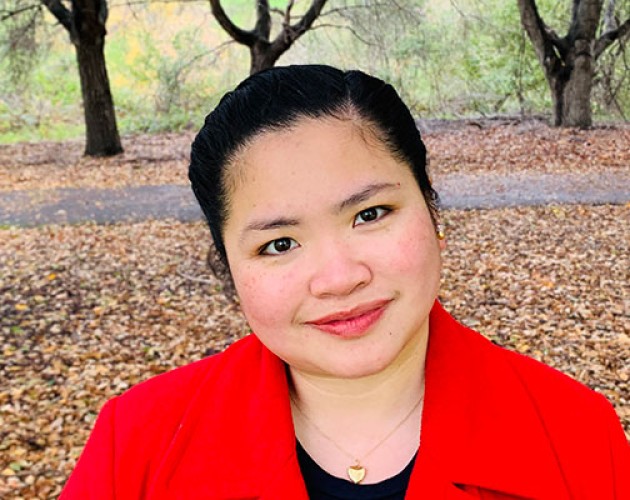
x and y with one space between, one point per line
354 322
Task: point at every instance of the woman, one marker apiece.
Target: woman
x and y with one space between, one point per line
356 383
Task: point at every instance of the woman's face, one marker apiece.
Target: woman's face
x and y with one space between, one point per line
331 248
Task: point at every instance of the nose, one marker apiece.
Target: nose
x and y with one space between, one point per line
338 271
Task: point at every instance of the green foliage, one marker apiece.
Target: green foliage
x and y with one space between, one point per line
20 47
43 103
445 61
612 80
500 66
168 74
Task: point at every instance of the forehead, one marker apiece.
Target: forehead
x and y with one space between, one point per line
308 170
309 143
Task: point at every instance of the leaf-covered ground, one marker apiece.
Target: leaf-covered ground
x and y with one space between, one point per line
87 311
458 147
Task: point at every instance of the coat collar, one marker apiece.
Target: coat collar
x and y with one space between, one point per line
475 408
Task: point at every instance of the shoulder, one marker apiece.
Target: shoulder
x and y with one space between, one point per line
518 414
576 418
511 371
578 422
174 387
513 382
159 405
136 431
549 389
552 391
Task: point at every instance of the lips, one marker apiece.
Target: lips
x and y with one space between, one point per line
353 322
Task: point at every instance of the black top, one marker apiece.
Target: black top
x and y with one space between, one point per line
323 486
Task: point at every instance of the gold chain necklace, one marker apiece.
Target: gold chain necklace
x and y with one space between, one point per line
357 472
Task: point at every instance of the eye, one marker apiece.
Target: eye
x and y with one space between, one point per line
278 247
370 215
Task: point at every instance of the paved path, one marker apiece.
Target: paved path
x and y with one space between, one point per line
462 191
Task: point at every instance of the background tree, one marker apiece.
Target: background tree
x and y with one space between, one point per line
84 20
263 50
85 23
568 62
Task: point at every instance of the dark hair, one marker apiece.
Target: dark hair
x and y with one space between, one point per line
275 99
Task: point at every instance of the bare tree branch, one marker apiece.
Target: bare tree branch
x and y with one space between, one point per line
7 14
608 38
262 29
309 17
539 34
343 10
609 21
482 20
264 52
287 14
585 17
560 43
213 51
239 35
343 27
292 32
127 3
61 13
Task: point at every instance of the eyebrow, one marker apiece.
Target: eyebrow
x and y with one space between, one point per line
352 200
265 225
365 194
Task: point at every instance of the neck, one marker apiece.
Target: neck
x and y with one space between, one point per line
374 420
377 398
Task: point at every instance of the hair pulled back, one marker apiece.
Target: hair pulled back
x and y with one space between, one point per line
276 99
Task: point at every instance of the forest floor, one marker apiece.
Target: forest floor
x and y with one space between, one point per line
88 310
462 146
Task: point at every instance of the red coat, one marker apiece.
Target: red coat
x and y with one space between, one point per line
495 425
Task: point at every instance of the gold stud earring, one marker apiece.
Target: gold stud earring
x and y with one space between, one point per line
440 232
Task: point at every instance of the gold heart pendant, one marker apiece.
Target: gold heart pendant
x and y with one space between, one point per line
356 473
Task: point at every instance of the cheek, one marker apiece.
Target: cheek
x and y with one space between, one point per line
415 254
266 298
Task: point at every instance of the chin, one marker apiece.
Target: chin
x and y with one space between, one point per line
363 367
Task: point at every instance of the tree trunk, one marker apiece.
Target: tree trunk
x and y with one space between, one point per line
571 86
85 23
577 92
101 132
569 61
262 57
